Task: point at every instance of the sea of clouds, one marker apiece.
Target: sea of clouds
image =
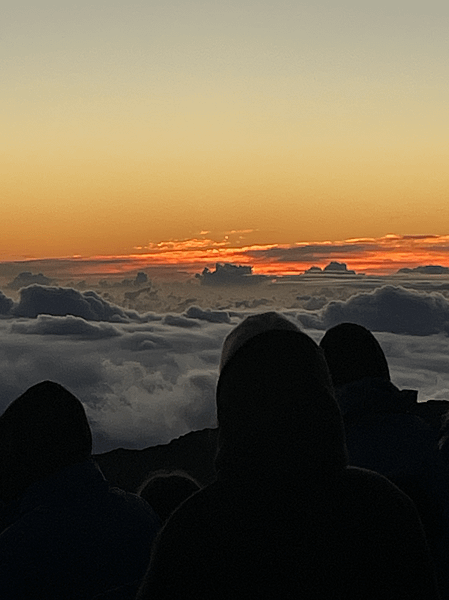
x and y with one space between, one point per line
148 376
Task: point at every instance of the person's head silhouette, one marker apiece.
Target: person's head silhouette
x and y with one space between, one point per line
41 432
275 405
352 353
250 327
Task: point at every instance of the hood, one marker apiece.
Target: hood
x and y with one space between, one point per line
352 353
276 410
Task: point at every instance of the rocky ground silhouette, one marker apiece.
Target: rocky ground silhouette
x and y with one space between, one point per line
195 453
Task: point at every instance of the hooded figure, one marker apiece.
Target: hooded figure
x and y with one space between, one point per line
66 533
286 517
383 433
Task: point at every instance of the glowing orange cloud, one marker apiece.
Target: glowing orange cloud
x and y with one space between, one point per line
383 255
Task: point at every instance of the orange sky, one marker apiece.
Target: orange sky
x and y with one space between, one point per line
177 258
294 123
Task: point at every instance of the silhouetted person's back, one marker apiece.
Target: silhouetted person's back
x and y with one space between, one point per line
69 535
286 517
383 434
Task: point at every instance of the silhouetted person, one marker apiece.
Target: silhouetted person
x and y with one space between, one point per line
383 434
286 517
165 491
69 535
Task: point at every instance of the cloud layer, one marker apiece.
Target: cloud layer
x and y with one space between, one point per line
148 377
388 308
58 301
143 378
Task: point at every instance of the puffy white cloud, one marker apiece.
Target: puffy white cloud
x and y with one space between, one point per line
36 300
137 407
389 308
65 326
141 383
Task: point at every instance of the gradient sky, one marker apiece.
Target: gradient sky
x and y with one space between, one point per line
130 124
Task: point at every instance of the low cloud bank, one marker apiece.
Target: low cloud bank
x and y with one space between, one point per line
141 383
59 301
388 308
37 300
68 326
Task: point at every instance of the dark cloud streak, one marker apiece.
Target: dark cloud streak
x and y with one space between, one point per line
308 252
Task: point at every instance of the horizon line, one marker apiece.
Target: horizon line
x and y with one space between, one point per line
364 255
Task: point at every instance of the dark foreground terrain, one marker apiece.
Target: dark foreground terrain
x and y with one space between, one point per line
195 453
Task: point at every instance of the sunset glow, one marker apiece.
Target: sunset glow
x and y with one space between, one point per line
180 134
175 258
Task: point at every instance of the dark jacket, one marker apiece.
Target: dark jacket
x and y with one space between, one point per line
383 434
287 518
363 540
72 536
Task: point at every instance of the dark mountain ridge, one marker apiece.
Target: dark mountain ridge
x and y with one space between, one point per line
195 453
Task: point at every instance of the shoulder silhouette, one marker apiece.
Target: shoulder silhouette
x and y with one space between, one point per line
67 533
384 433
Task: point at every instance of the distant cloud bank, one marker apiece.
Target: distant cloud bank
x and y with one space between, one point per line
175 258
230 274
426 270
333 268
388 308
58 301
